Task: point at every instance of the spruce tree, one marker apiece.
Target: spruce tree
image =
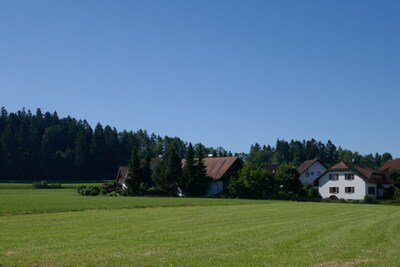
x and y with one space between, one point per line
169 172
132 181
145 173
188 172
200 185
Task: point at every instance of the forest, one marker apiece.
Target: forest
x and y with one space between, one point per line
43 146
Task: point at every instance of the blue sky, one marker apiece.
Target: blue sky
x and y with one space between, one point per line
224 73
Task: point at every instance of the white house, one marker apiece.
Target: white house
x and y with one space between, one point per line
352 181
310 170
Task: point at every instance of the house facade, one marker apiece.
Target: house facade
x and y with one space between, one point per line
310 170
352 182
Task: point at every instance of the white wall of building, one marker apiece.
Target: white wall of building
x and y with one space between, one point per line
360 187
314 171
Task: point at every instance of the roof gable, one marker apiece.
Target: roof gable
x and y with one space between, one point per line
391 164
307 164
217 167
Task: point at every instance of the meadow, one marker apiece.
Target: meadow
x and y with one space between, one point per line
57 227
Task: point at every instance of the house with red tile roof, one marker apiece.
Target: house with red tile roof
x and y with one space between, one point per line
352 182
310 170
219 170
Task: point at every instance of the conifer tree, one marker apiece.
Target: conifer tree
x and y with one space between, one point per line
132 181
189 172
146 181
200 185
169 172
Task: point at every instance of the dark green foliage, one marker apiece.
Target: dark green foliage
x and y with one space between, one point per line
107 188
133 179
287 178
369 200
252 182
146 172
45 185
44 146
85 190
397 194
188 172
168 172
394 175
296 152
311 191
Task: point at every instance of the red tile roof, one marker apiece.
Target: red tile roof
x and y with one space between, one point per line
366 173
391 164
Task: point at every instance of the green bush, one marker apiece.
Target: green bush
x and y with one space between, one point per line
85 190
43 184
397 194
40 185
369 200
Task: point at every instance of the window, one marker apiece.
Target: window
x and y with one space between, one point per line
312 173
349 176
334 190
318 173
349 189
333 177
371 190
307 174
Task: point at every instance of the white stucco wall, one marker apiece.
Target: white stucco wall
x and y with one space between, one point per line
215 188
360 187
317 168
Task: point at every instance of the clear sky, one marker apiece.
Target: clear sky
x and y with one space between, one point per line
224 73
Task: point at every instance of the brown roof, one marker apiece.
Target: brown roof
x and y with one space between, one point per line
339 166
366 173
307 164
217 167
391 164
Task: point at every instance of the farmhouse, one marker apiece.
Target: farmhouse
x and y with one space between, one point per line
310 170
389 165
219 170
352 181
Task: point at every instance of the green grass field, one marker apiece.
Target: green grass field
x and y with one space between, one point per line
57 227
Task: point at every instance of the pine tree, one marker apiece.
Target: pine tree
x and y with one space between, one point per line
132 181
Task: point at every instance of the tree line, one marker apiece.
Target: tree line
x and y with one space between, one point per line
170 176
42 146
296 152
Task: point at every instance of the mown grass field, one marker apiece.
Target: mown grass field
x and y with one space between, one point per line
59 228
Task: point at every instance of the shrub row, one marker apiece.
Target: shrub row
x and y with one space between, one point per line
107 189
44 184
